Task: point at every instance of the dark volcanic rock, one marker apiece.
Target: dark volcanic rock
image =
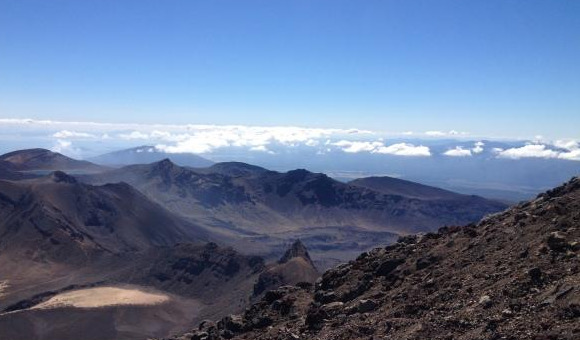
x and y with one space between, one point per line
296 250
386 267
455 284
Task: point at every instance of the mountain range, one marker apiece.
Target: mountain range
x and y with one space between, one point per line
259 211
148 250
247 204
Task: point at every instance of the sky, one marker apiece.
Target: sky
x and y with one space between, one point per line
493 68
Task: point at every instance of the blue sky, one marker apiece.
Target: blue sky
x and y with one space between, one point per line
491 68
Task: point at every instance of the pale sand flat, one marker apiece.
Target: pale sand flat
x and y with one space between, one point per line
102 297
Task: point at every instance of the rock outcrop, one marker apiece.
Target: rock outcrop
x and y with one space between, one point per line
296 250
295 267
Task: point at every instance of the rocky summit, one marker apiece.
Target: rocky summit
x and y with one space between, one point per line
514 275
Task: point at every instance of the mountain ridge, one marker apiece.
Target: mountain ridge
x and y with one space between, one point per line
43 159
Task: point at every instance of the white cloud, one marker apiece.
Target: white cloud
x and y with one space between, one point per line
573 155
399 149
208 138
61 145
312 142
146 149
572 148
437 133
478 147
160 135
72 134
405 149
567 144
357 131
458 152
542 151
65 147
261 148
195 145
134 135
17 121
539 139
355 147
528 151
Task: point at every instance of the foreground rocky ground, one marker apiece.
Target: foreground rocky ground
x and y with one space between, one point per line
515 275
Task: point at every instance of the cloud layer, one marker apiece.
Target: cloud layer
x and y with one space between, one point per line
188 138
74 137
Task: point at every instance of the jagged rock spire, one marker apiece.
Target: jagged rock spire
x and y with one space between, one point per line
298 249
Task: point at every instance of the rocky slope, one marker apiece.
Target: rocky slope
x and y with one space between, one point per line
515 275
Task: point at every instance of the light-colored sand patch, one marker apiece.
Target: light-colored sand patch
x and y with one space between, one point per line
104 296
3 286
